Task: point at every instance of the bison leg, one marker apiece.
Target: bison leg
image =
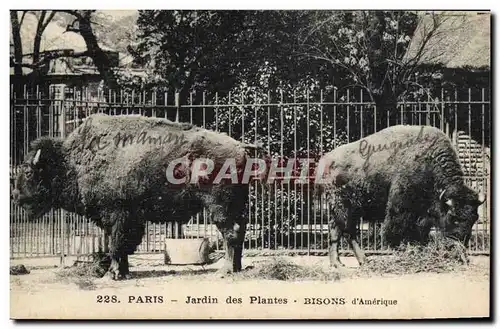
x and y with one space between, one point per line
424 229
353 243
116 270
133 237
126 235
333 251
228 209
344 222
234 236
123 268
407 216
400 221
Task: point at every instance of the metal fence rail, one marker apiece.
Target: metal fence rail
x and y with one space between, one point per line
288 124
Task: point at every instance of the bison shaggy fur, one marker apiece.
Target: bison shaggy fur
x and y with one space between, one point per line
112 169
408 177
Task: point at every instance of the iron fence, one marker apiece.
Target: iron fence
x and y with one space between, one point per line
288 124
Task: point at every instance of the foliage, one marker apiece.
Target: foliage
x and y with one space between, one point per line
253 53
217 50
372 48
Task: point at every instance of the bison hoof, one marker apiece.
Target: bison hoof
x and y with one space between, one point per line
337 264
116 276
224 272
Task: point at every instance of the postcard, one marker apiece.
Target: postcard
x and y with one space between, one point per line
250 164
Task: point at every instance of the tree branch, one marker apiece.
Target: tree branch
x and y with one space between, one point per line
47 56
38 36
49 19
426 37
16 38
22 17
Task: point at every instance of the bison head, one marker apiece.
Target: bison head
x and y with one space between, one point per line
38 180
460 206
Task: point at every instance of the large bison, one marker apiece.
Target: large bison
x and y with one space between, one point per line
409 177
115 171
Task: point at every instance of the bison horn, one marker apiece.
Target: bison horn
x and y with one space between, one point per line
441 195
37 157
449 202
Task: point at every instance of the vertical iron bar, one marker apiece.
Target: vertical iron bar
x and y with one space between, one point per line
39 112
334 118
242 117
25 122
216 111
295 154
428 117
307 189
470 150
318 157
281 181
442 126
204 110
255 192
455 128
229 113
268 192
361 113
485 172
348 124
271 211
402 119
190 108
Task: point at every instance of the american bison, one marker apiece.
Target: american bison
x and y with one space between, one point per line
114 170
408 177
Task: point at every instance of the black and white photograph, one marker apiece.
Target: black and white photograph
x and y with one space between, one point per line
189 164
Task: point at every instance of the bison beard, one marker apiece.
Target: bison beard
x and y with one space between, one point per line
407 177
121 185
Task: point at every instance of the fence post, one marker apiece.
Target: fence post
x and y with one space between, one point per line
65 230
177 107
178 224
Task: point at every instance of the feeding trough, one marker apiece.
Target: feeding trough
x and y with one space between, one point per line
187 251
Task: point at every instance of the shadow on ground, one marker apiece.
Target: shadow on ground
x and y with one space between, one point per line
161 273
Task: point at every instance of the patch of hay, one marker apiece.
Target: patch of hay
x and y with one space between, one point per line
279 268
96 267
18 270
439 255
85 284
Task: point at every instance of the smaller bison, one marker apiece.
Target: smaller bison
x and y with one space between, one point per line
409 177
121 171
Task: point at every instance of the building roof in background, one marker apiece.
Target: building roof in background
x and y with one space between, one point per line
463 40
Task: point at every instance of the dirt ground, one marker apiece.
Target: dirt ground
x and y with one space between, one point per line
45 293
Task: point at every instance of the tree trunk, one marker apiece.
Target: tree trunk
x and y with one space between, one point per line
38 37
387 108
99 57
16 38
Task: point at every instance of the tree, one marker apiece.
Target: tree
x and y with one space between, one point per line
371 48
25 121
80 21
216 50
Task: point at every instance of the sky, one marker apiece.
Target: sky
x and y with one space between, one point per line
118 13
